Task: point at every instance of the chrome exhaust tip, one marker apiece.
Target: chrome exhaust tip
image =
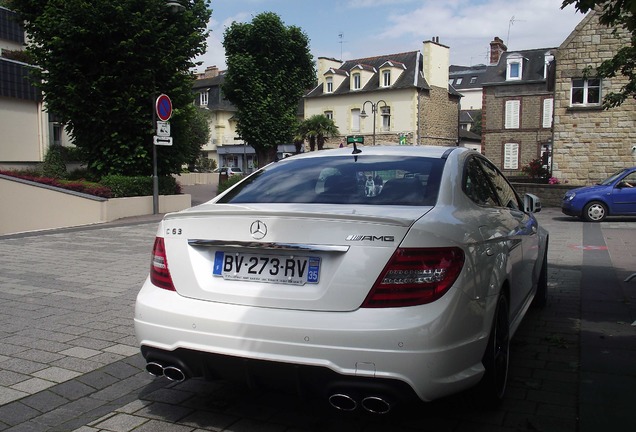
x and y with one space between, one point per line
376 405
154 369
343 402
173 373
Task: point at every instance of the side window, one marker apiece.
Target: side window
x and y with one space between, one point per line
629 181
505 193
476 185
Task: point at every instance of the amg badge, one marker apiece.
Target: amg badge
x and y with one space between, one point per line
357 237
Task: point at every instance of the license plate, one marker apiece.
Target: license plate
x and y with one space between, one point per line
283 269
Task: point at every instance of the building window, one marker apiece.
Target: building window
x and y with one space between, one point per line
356 81
586 92
511 156
355 119
203 98
385 112
514 68
386 79
329 82
546 117
473 80
450 81
459 81
329 115
513 107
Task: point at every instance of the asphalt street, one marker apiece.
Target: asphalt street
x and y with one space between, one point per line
69 360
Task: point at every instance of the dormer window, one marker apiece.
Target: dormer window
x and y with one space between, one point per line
357 81
514 68
459 81
329 85
473 80
386 78
203 98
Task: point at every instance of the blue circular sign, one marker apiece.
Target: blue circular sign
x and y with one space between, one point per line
164 107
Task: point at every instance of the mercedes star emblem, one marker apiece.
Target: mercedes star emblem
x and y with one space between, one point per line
258 230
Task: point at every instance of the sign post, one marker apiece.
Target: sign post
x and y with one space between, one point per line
162 111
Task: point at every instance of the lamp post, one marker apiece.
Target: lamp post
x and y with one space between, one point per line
374 110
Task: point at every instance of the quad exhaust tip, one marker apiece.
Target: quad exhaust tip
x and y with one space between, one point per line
173 373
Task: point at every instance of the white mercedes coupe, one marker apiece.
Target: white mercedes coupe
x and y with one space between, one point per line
367 276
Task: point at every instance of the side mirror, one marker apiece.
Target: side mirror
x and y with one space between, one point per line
531 203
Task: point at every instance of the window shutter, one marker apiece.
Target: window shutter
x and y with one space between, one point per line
548 105
512 114
511 156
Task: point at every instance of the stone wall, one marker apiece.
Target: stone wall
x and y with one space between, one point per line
438 117
550 195
590 143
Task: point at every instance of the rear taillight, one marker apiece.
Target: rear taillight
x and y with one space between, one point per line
415 277
159 272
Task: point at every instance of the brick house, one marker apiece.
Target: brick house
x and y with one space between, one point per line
590 143
517 107
401 98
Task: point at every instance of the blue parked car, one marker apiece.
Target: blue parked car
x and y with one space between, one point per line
614 196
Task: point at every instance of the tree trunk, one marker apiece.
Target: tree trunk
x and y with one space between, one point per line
265 155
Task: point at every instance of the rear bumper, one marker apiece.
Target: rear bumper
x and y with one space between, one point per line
305 380
405 351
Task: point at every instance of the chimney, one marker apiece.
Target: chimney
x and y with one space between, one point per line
497 47
211 71
436 58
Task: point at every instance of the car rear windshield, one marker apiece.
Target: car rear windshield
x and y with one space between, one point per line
372 180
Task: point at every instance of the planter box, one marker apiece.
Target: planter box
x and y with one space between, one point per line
29 206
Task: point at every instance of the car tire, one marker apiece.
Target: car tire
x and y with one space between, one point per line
541 296
595 211
492 387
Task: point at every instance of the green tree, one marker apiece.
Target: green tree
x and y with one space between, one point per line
476 128
269 68
316 129
101 66
620 14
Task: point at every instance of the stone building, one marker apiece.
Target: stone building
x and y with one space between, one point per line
517 107
401 98
590 143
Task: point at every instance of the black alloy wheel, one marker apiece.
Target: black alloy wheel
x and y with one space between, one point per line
492 387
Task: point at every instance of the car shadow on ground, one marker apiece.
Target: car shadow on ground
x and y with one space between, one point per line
542 389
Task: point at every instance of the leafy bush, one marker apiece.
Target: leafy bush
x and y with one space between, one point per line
90 188
535 169
224 185
127 186
54 165
114 186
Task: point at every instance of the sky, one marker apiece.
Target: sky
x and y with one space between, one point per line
352 29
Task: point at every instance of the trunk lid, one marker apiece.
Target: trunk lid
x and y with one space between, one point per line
289 256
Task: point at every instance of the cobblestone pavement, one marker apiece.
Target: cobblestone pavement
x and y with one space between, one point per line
69 360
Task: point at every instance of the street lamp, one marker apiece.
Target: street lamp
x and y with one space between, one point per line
175 6
374 110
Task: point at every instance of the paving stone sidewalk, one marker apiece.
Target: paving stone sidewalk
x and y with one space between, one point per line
69 360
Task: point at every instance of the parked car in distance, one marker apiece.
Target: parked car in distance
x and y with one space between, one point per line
298 278
614 196
229 171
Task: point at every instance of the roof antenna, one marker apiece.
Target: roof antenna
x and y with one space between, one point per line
341 36
511 22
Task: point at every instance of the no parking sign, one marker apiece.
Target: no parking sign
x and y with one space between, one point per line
163 107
